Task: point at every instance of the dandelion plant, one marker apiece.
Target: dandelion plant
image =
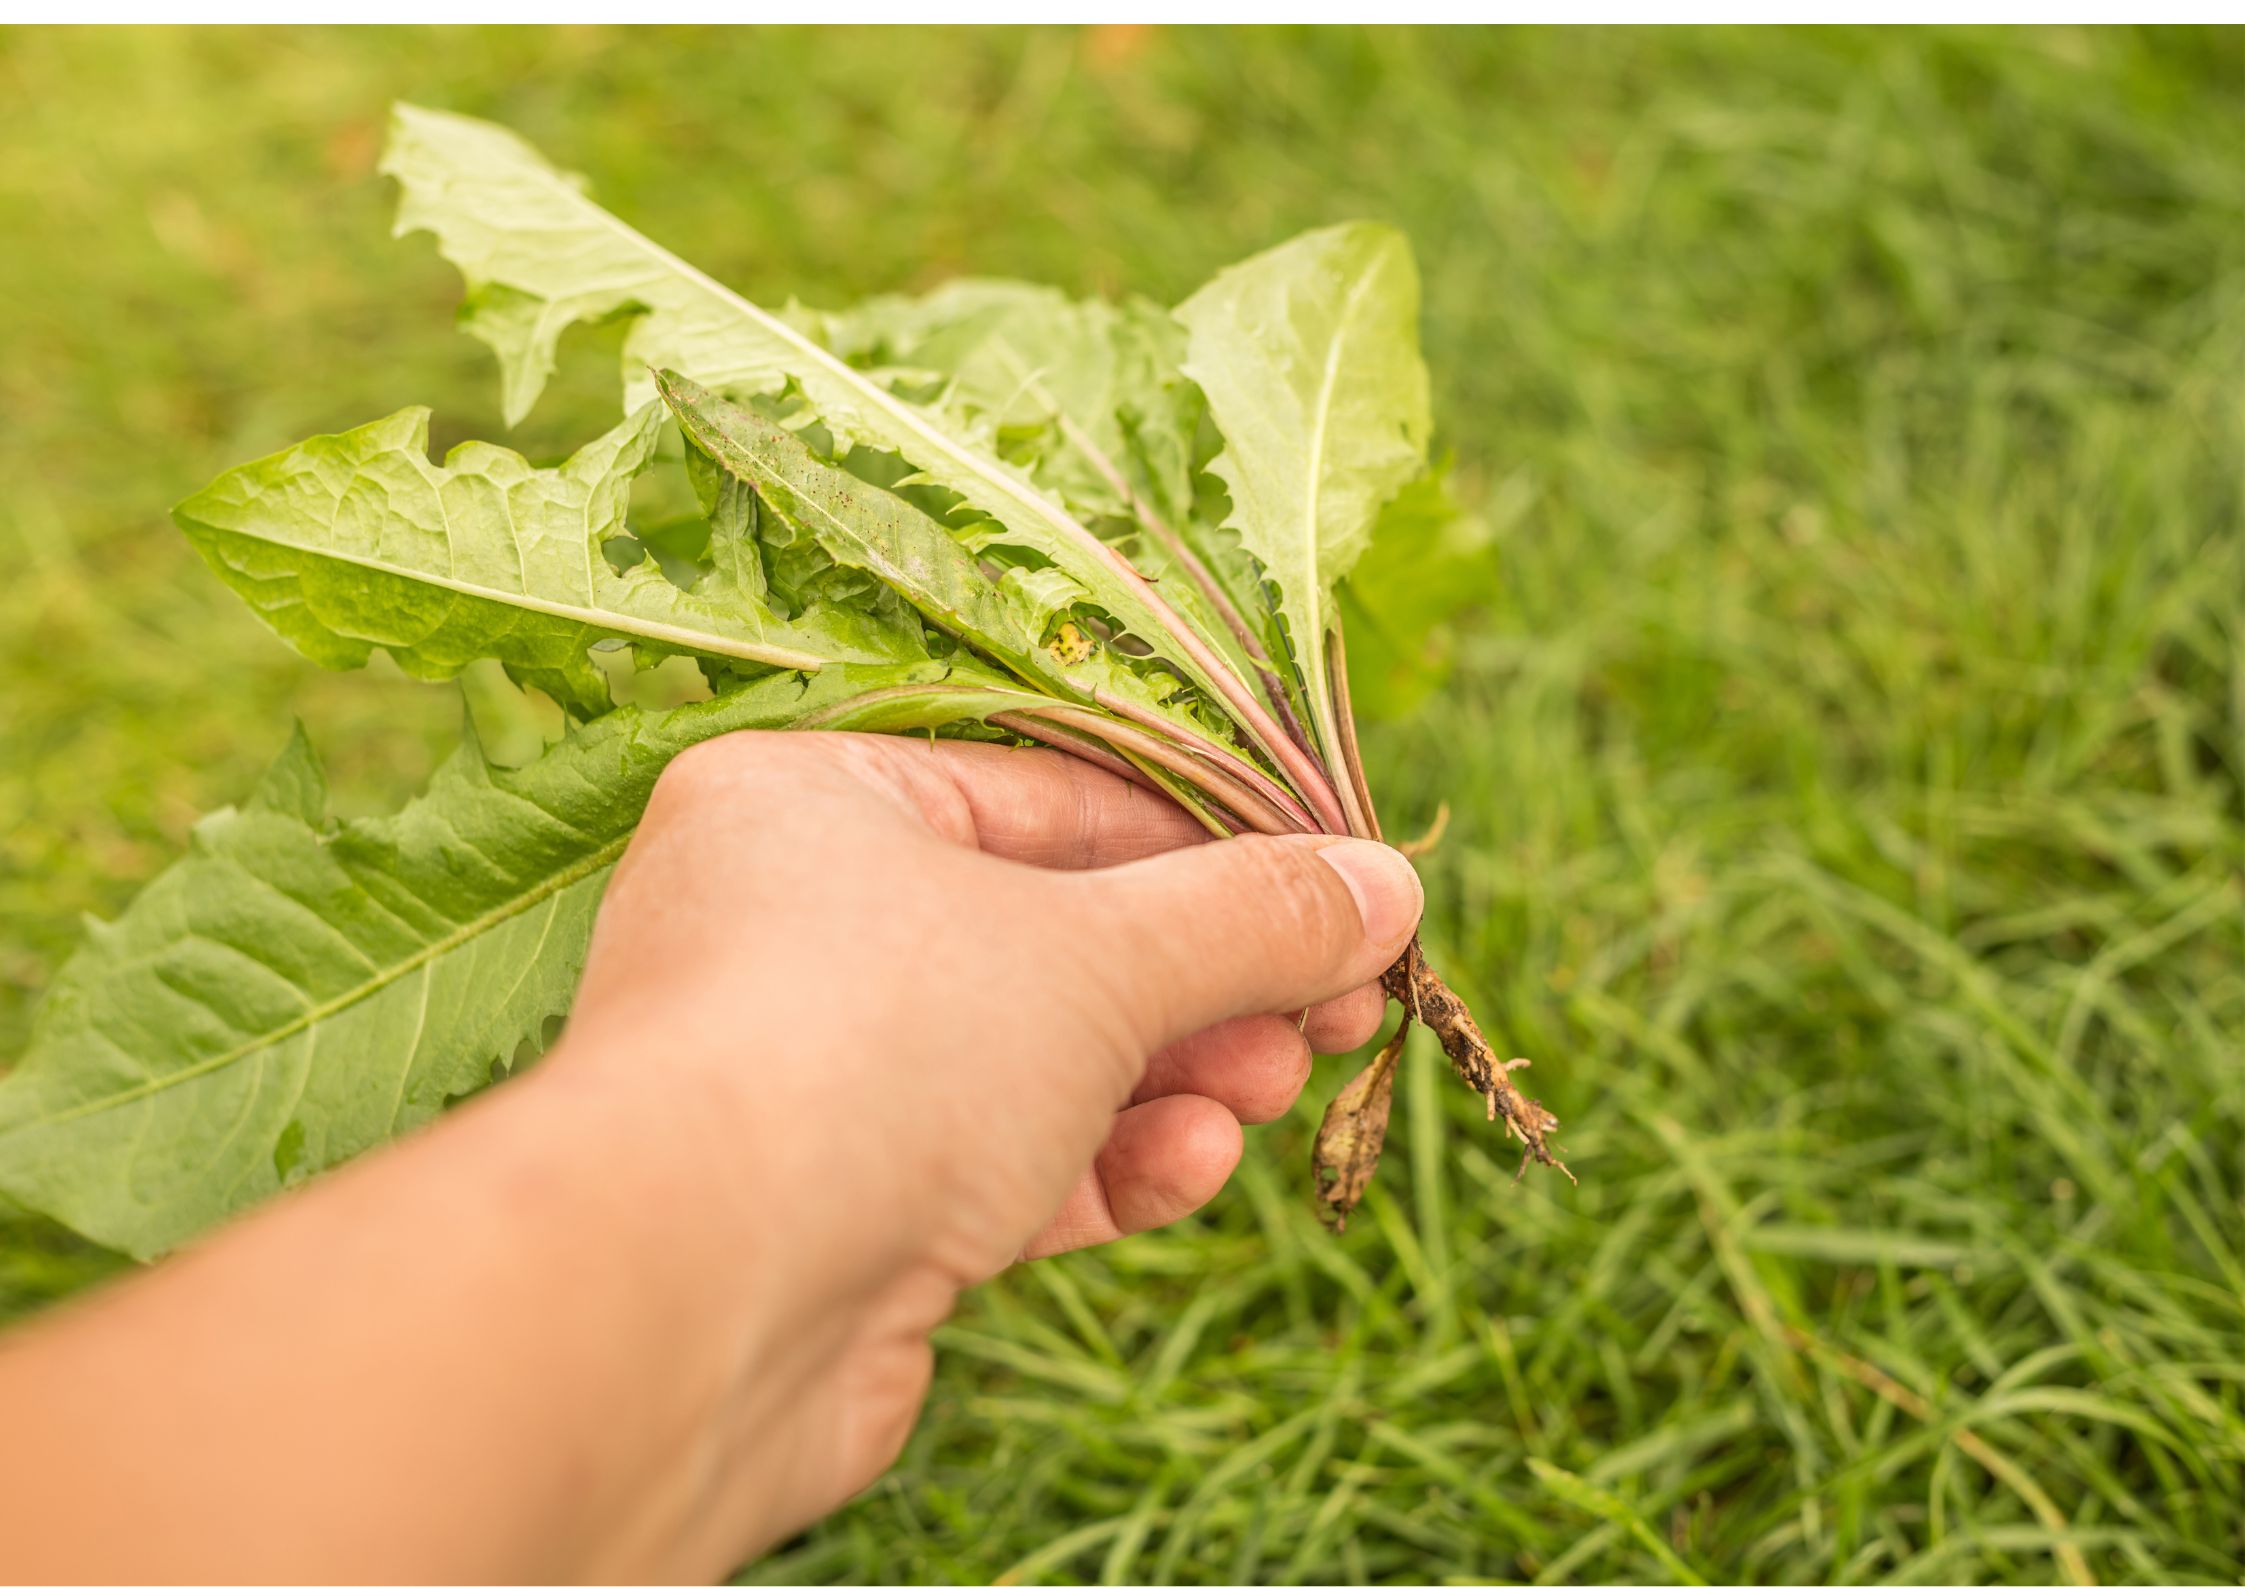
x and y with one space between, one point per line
992 511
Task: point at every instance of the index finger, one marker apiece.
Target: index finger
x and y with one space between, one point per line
1046 808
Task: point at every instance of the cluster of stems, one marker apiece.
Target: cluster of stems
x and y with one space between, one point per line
1282 782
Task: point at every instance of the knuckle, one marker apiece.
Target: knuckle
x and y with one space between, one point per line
906 774
717 769
864 756
701 771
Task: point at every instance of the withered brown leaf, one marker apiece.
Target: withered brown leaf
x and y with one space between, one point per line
1350 1135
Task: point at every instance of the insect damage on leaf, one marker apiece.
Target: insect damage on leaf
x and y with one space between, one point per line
1119 531
1068 644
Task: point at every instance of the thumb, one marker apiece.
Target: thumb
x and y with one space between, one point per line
1250 925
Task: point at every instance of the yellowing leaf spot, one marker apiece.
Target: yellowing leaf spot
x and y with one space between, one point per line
1069 645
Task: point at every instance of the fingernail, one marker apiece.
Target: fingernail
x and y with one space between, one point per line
1386 889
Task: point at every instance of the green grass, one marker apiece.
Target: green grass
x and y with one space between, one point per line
1847 762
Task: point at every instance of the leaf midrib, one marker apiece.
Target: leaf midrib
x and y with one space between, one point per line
1152 615
1313 593
560 881
592 616
1026 495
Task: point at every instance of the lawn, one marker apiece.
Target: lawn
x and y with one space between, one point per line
1845 758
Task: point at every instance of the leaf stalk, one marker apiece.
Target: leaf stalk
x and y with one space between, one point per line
1285 741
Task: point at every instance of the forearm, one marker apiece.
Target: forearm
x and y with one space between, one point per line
492 1351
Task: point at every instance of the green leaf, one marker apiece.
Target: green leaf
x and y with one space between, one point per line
290 993
1091 398
539 256
1309 356
1017 356
348 542
1011 618
862 526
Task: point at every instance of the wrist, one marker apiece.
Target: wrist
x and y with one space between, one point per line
610 1166
751 1283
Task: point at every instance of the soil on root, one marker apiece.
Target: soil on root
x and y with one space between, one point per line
1355 1124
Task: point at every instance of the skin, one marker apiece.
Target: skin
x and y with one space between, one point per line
865 1020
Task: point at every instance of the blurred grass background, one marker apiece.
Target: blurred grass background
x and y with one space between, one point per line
1846 755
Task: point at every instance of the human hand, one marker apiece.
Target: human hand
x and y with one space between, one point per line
863 1020
920 1009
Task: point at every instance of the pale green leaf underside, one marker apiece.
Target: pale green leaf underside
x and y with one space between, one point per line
1017 355
287 995
1309 357
539 256
348 542
1100 386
